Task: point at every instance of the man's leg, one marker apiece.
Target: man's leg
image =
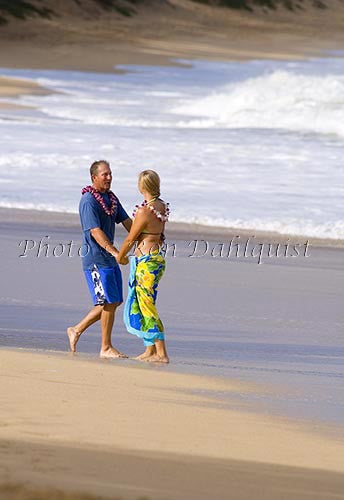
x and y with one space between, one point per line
107 320
74 332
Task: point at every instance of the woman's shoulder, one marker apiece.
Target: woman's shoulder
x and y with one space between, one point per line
142 211
158 209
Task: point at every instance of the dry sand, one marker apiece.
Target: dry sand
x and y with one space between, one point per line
164 30
12 88
113 429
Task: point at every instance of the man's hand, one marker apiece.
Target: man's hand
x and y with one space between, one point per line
124 260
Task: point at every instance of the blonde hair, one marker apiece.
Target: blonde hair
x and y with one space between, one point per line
150 181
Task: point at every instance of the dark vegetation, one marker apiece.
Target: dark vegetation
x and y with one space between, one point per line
268 4
21 9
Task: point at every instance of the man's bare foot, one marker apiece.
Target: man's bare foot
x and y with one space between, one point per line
158 359
73 336
111 352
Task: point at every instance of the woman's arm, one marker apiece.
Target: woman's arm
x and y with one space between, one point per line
137 227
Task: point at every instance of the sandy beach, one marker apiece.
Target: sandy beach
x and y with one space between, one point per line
251 403
162 34
163 31
128 430
12 88
132 432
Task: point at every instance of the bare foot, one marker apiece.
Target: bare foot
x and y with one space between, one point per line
149 352
111 352
144 356
73 336
158 359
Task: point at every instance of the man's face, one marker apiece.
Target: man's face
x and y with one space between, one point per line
102 180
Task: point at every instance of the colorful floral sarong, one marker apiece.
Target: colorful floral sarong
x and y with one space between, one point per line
140 314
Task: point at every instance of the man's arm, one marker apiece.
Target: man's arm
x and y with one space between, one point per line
103 241
127 223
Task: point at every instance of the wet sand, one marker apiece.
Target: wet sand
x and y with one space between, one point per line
129 430
115 429
13 88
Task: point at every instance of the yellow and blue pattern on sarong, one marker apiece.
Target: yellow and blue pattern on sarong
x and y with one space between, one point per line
140 314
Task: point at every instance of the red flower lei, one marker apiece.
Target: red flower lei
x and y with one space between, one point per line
96 194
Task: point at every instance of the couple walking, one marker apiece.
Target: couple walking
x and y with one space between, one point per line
99 211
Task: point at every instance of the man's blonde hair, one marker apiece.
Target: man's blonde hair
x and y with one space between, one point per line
150 181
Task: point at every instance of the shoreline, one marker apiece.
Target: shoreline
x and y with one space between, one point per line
175 230
250 402
208 389
12 88
141 415
215 396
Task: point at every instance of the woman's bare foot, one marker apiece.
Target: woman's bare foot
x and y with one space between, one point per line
143 356
150 351
158 359
111 352
73 336
161 353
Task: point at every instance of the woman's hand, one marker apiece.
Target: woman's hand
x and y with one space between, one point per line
124 260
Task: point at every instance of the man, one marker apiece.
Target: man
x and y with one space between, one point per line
99 211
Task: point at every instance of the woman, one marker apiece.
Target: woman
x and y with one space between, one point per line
146 268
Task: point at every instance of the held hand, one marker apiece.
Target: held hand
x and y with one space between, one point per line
122 260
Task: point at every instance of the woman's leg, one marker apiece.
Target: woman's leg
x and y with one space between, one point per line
161 353
148 275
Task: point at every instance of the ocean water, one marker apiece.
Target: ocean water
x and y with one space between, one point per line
256 145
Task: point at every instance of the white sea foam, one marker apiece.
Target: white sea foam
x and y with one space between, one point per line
296 227
252 145
279 100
